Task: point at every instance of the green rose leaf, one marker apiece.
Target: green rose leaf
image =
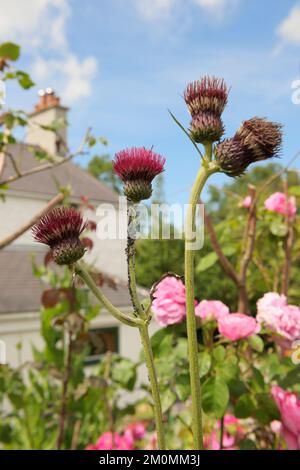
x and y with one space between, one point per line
215 397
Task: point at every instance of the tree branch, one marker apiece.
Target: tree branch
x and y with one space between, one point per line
48 166
288 246
13 236
249 242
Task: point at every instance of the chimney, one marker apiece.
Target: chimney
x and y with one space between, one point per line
46 111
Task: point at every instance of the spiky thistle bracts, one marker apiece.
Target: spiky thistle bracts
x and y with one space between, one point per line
256 139
262 137
137 167
209 94
60 229
206 100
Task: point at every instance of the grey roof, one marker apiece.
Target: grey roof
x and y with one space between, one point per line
45 182
21 291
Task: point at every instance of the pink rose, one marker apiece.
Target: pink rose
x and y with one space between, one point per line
110 441
211 310
289 406
169 302
237 326
284 320
247 202
271 299
135 431
278 202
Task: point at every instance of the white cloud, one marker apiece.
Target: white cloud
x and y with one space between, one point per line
34 23
40 27
289 28
164 9
72 76
152 9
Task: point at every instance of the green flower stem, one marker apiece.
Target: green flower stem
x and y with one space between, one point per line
161 445
115 312
144 334
207 169
142 325
130 251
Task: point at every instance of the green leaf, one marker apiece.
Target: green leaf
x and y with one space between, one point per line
10 51
228 369
183 388
294 190
219 353
215 397
256 343
267 404
258 380
168 398
237 388
204 360
229 250
124 372
245 406
162 341
279 229
207 262
291 378
24 80
247 444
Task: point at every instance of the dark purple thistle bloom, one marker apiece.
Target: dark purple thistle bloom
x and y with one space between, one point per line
209 94
137 167
60 229
262 137
257 139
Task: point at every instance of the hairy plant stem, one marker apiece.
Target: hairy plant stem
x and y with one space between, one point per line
144 334
64 400
140 322
207 169
140 312
115 312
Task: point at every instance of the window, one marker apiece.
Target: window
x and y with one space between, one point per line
102 340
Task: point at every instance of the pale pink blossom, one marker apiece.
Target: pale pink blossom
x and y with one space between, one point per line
110 441
279 203
152 444
284 320
237 326
276 426
211 310
233 431
135 431
169 301
247 202
288 404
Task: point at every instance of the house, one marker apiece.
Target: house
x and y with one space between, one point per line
20 291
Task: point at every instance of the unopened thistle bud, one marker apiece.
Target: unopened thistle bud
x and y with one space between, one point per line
262 137
206 100
206 127
137 167
60 229
256 139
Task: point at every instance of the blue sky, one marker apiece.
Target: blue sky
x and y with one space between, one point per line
120 64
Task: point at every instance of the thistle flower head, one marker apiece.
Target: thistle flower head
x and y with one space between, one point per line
209 94
137 167
232 156
206 127
262 137
60 230
257 139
